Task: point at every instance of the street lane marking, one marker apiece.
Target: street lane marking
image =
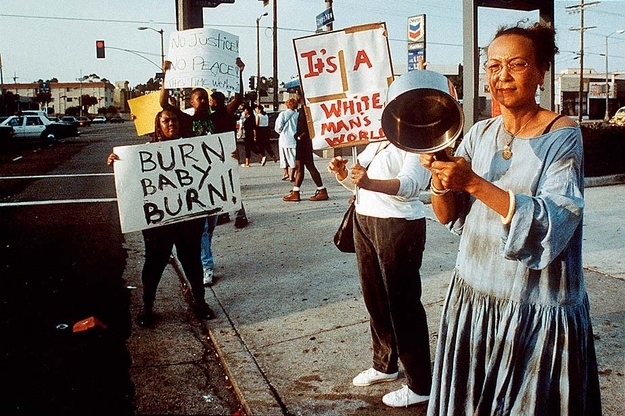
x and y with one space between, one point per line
56 201
68 175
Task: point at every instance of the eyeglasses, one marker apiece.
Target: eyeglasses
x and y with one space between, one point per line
514 67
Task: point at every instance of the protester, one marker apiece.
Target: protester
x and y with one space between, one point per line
159 241
515 335
286 126
304 158
389 236
263 134
209 115
249 137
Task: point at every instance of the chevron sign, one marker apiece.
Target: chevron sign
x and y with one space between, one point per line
416 28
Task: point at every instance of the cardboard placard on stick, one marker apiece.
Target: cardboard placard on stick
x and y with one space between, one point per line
345 75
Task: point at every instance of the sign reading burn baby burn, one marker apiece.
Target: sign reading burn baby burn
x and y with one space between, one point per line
345 76
172 181
203 58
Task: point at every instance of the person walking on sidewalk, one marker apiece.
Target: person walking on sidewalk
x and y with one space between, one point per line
160 241
304 158
515 336
263 133
249 137
286 127
389 237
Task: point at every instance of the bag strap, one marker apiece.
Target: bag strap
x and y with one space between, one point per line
379 149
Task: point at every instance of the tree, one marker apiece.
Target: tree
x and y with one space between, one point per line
8 102
149 86
90 77
43 98
87 101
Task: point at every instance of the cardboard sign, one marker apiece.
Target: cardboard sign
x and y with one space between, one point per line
166 182
345 76
144 110
203 58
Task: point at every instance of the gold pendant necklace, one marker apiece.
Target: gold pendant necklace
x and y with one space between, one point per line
507 151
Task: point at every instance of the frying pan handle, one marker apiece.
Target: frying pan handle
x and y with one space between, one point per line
441 156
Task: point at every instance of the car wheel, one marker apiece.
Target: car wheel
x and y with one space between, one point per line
49 137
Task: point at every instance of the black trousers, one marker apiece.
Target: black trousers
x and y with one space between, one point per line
159 242
389 253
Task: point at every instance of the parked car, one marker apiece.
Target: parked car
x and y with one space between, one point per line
116 119
39 127
84 121
619 117
70 120
99 120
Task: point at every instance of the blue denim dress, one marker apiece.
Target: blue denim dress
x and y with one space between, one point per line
515 335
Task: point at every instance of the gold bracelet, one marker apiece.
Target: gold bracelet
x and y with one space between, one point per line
438 192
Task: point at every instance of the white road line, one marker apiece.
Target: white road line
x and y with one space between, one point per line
56 201
68 175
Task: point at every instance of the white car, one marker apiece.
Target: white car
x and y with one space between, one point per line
38 126
99 120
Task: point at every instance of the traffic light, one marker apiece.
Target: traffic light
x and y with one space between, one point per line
251 84
99 48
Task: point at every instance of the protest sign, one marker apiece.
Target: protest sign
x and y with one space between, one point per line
144 110
203 58
345 75
176 180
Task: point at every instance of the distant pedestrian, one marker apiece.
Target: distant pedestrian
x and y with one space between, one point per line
263 134
286 127
304 158
249 137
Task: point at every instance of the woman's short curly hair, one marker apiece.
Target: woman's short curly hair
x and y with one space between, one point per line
543 38
291 103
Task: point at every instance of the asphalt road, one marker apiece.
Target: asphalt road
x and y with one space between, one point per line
62 258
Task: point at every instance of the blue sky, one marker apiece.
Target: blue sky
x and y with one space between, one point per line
59 40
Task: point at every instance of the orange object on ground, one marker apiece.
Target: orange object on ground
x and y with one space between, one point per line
88 323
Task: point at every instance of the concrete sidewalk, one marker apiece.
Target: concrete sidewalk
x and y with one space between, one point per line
292 330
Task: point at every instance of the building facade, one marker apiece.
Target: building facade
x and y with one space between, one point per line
65 94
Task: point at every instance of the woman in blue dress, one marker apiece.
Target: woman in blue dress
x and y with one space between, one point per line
515 336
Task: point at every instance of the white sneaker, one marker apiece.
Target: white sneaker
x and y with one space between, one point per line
373 376
208 277
263 161
403 397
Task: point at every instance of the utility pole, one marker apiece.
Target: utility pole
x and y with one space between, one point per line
275 55
330 25
580 8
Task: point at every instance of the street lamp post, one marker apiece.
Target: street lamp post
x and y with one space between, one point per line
160 32
258 54
606 117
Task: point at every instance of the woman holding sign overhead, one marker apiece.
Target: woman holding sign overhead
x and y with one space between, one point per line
160 241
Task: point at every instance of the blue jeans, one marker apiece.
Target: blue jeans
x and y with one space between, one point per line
207 237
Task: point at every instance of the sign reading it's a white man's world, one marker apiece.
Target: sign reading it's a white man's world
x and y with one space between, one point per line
203 58
167 182
345 76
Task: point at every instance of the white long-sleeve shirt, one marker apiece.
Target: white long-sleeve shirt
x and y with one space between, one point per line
391 162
